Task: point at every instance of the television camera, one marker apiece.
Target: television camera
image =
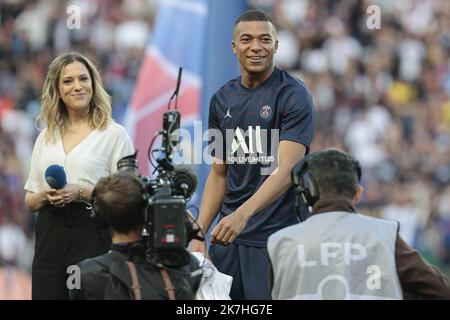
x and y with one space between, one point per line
168 226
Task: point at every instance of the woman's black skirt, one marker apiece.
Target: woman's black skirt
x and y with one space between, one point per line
64 237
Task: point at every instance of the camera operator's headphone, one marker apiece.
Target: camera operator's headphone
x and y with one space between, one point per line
96 213
305 184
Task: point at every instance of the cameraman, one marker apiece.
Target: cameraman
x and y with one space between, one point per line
118 200
340 254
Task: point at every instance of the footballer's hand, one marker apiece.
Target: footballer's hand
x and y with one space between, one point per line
227 230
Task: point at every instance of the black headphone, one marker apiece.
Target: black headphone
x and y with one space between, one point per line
305 184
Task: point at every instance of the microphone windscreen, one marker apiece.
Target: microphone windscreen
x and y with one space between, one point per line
56 176
185 176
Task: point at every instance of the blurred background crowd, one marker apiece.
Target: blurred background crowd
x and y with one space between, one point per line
381 94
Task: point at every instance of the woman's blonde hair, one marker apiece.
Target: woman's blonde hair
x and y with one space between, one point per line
53 110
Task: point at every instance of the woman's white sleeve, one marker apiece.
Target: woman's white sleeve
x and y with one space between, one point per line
32 184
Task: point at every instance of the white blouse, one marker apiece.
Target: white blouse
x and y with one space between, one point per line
94 157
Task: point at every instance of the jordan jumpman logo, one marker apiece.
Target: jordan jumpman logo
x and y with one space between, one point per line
228 114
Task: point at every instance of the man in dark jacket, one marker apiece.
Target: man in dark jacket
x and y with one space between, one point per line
118 200
340 254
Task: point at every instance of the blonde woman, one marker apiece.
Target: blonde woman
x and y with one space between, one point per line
82 138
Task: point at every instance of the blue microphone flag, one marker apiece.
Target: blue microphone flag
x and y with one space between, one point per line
56 176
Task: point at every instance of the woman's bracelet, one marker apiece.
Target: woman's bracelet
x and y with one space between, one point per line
80 193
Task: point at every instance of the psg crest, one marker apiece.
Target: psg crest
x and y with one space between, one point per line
265 112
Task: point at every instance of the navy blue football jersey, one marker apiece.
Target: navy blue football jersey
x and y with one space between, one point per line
249 123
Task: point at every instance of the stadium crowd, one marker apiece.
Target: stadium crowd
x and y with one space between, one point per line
381 94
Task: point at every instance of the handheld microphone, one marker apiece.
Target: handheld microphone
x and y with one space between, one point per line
56 176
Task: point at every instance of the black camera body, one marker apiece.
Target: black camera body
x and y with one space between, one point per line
166 222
